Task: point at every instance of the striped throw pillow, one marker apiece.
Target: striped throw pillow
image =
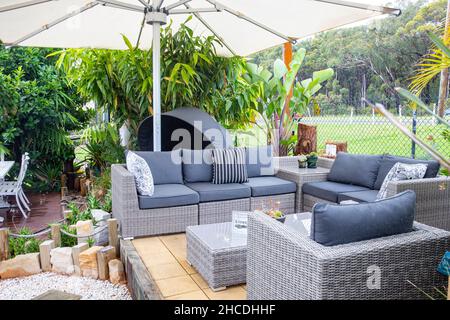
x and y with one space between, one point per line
229 166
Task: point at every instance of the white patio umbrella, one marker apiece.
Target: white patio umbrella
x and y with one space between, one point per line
243 26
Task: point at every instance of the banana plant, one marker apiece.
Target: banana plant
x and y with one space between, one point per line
276 107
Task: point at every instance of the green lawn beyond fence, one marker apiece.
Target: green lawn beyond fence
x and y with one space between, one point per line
365 134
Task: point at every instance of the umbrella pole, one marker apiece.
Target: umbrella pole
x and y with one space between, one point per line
156 87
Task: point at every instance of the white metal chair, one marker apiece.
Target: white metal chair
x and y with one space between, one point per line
14 188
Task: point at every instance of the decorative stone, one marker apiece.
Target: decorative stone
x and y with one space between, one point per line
84 228
101 216
20 266
61 260
76 250
88 262
116 272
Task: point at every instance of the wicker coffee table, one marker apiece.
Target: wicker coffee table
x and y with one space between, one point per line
219 251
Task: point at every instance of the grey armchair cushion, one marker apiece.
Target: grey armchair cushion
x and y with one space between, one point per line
169 195
338 224
219 192
329 190
357 169
267 186
359 196
388 161
259 161
197 165
165 166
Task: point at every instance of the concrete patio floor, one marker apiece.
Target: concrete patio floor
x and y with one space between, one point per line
165 259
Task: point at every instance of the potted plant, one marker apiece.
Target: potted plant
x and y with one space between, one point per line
277 215
312 160
302 161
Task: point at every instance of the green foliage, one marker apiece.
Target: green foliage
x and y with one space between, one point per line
273 90
192 75
68 241
23 245
37 110
378 57
76 214
101 147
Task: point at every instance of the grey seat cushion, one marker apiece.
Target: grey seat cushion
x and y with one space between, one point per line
197 165
388 161
169 195
259 161
359 196
357 169
338 224
267 186
165 166
218 192
329 190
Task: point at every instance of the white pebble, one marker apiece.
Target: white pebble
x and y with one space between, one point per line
25 288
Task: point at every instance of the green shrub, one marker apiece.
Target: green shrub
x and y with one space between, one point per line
19 246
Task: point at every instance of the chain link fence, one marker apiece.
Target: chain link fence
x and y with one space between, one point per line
374 134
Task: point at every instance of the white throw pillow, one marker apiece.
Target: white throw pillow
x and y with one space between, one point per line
402 171
142 174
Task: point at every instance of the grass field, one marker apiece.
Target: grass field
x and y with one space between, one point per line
364 135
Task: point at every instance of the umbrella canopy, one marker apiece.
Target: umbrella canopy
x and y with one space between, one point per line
243 26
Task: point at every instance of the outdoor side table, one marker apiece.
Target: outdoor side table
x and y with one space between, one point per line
218 253
301 176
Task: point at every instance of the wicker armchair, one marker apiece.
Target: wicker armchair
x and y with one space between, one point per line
433 199
284 264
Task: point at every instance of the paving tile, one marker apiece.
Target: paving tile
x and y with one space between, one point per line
149 245
199 281
157 258
231 293
164 271
195 295
177 285
186 266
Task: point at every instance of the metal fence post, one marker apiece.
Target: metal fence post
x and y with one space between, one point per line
414 130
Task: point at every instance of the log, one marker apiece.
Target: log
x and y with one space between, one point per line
4 244
83 187
56 234
306 139
44 254
76 250
113 235
103 257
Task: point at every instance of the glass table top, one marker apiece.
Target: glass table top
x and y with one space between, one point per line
219 236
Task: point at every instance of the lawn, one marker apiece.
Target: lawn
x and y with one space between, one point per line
363 134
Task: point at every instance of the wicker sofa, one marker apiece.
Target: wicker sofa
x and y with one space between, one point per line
174 206
286 265
433 194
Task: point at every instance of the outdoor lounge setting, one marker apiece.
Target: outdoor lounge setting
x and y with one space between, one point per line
224 150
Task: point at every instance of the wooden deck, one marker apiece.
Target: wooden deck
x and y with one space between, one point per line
39 218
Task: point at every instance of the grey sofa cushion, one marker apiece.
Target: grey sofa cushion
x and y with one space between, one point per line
266 186
388 161
169 195
218 192
259 161
197 165
359 196
329 190
338 224
165 166
357 169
